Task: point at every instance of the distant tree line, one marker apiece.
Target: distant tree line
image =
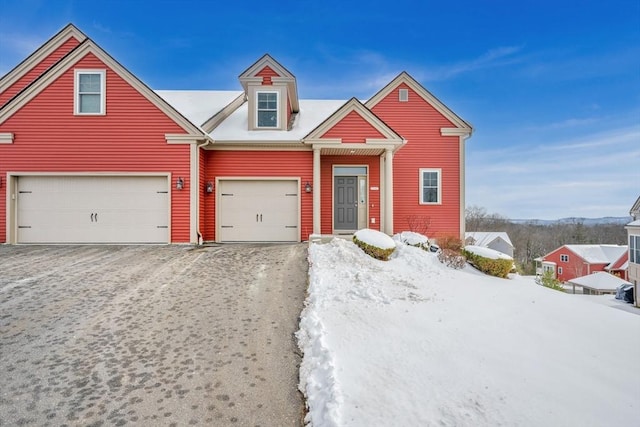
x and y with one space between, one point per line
532 240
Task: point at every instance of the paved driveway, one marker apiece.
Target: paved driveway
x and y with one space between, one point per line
150 335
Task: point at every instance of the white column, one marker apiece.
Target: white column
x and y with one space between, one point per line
388 191
316 191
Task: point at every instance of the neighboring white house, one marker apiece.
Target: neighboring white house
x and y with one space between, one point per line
633 230
598 283
496 240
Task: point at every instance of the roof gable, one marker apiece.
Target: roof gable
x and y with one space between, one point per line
635 209
66 63
597 254
461 126
267 70
484 238
354 109
40 56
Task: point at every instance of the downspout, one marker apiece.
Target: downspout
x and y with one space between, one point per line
198 147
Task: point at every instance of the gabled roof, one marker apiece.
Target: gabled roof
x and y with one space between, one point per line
353 105
484 238
598 254
284 76
404 77
635 210
88 46
41 53
619 264
599 281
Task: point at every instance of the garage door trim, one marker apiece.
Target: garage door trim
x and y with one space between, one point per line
220 179
12 186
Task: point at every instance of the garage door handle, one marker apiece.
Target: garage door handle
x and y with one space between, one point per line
260 217
96 217
256 217
91 217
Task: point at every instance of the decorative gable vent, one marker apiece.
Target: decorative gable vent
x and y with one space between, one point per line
403 95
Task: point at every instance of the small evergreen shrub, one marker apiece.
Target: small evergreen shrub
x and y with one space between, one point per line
374 251
451 258
414 239
548 281
493 267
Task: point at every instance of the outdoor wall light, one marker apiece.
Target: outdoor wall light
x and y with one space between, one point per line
307 187
179 183
209 187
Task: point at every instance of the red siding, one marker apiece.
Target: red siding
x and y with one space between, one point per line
419 123
129 138
294 164
326 195
267 73
353 128
37 71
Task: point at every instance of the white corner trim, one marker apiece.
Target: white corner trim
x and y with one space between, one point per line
182 139
6 138
455 131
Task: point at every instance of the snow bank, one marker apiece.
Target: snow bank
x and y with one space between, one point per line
486 252
411 238
411 342
375 238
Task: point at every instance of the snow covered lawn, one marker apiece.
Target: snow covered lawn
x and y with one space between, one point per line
411 342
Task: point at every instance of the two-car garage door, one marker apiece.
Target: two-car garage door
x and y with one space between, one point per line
92 209
258 210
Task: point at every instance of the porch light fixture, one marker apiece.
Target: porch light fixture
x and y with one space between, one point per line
179 183
307 187
209 187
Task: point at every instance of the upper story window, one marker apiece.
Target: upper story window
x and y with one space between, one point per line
430 186
564 258
90 92
403 95
634 249
267 110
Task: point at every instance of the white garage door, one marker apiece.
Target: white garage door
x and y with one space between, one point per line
258 211
93 209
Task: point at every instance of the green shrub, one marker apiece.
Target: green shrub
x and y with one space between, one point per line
374 251
548 281
493 267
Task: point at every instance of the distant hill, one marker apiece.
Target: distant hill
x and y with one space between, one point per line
622 220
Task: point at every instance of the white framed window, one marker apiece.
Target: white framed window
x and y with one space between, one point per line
559 270
564 258
403 95
634 249
89 92
430 186
267 109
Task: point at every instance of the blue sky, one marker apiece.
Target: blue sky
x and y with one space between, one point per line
551 88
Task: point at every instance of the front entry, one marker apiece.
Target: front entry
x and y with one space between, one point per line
345 214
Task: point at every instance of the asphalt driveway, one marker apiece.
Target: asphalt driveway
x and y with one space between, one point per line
150 335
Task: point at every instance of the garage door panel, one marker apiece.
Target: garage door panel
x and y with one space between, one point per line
259 210
98 209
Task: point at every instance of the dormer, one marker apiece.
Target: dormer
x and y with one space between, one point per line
272 95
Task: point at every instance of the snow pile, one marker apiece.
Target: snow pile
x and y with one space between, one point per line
486 252
411 238
412 342
375 238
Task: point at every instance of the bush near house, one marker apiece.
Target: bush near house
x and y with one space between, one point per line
494 267
548 281
374 243
451 258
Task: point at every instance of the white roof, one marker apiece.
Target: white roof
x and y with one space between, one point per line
598 254
599 281
635 223
198 106
311 114
483 238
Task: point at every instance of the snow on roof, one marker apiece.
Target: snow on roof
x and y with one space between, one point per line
483 238
634 223
312 113
199 105
598 254
599 281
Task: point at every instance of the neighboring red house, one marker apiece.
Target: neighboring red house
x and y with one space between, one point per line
90 154
571 261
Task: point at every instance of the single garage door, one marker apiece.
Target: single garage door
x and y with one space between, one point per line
93 209
258 211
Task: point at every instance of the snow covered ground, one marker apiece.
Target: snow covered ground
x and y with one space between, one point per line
411 342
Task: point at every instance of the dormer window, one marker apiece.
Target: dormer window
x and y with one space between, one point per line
89 92
267 110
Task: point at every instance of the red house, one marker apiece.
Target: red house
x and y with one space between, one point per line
90 154
571 261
